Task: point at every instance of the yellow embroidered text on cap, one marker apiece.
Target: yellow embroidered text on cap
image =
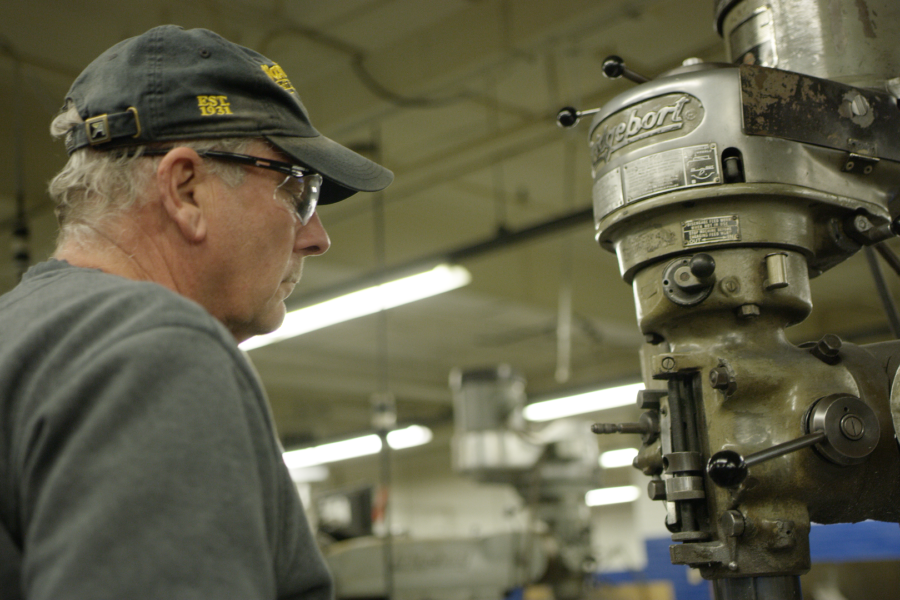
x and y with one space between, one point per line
279 76
214 105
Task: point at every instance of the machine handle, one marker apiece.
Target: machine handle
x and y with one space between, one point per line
614 67
728 468
647 427
846 428
568 116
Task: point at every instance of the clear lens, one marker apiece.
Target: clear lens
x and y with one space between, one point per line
304 193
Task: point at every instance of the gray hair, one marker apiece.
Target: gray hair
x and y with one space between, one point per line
96 185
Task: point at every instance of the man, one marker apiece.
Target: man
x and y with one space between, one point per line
137 454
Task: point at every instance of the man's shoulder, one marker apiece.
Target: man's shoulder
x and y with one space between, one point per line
83 291
65 327
56 300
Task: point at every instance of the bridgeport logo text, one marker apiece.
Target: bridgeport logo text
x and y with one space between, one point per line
673 112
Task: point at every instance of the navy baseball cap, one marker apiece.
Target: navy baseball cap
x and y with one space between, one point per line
173 84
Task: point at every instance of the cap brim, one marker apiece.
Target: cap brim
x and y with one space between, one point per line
345 171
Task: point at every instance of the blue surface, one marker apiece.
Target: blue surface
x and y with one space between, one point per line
844 542
515 594
855 542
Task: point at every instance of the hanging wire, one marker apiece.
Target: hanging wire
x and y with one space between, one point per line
20 251
498 175
376 87
384 411
557 87
18 222
890 308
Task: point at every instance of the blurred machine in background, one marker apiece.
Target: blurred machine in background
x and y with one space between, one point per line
551 467
451 568
722 189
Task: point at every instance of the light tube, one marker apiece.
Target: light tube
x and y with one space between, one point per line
332 452
618 458
309 474
612 495
440 279
568 406
409 437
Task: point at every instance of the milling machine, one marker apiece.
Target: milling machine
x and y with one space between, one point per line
550 467
722 189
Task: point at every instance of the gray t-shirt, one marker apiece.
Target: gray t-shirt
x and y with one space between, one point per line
137 453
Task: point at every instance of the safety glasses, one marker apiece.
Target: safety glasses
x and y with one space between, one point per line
302 186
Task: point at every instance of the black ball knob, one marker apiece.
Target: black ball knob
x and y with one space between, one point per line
567 117
895 226
613 66
703 266
727 468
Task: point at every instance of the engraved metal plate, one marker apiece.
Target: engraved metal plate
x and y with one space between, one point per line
608 194
670 170
711 230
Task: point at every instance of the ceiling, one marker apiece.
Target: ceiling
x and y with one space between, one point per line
458 98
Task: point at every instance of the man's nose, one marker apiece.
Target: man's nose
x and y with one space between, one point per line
312 239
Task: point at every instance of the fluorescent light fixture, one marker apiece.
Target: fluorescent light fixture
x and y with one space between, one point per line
558 408
409 437
438 280
618 458
333 452
612 495
309 474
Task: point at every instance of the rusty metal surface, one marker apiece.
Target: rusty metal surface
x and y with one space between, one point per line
817 111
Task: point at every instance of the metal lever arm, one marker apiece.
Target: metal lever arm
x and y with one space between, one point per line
569 116
647 427
844 428
728 468
614 67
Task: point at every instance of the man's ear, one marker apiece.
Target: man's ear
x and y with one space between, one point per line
180 178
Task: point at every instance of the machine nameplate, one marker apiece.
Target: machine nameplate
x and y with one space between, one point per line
670 170
711 230
654 174
648 122
608 194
